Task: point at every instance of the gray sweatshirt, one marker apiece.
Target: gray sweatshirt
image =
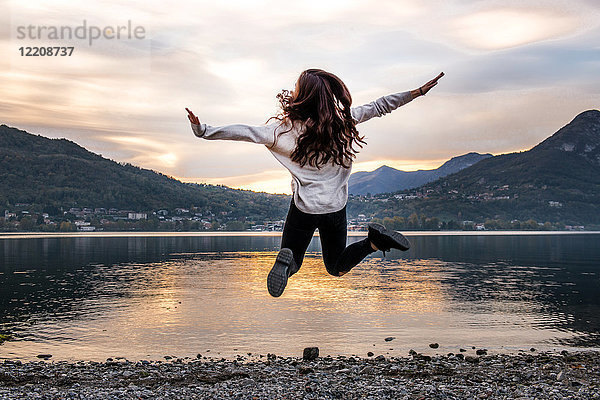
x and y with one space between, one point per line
315 191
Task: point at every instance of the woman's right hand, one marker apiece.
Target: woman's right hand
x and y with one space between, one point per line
193 119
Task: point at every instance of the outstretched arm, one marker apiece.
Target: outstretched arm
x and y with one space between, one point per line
245 133
389 103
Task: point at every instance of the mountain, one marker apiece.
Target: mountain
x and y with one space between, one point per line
556 181
386 179
580 138
53 173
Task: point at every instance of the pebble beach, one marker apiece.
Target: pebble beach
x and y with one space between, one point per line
468 374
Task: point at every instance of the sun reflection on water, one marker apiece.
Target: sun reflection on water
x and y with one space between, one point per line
216 303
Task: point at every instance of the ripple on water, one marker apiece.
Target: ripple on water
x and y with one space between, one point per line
185 301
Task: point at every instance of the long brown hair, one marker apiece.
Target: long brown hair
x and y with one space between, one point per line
321 101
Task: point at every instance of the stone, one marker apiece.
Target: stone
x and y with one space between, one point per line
497 376
310 353
481 352
370 354
305 370
367 370
380 358
246 382
434 345
389 338
44 356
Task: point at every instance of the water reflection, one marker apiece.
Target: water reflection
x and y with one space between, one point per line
554 277
145 297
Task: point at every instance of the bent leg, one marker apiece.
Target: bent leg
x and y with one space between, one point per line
338 258
297 233
352 255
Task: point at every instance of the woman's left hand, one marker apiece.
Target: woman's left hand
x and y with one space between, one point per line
193 119
427 87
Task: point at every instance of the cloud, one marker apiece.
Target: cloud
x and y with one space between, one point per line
442 126
516 71
504 28
148 149
568 62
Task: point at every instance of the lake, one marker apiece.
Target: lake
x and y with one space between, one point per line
145 296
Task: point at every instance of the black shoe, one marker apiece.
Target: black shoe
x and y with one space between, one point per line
284 267
385 239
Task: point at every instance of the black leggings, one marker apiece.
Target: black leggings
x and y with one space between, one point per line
300 227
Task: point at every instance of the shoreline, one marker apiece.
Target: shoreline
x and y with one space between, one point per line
107 234
548 375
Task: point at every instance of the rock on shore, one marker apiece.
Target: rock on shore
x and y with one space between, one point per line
518 376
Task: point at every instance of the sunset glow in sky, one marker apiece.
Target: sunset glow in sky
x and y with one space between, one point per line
516 71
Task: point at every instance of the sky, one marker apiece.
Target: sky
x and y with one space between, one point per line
515 72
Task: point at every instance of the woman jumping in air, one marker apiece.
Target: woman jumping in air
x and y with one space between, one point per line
314 137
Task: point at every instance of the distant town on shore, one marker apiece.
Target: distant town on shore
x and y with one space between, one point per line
88 219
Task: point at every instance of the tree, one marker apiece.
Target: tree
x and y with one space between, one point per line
491 224
531 225
452 225
67 227
27 224
235 226
413 221
432 224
